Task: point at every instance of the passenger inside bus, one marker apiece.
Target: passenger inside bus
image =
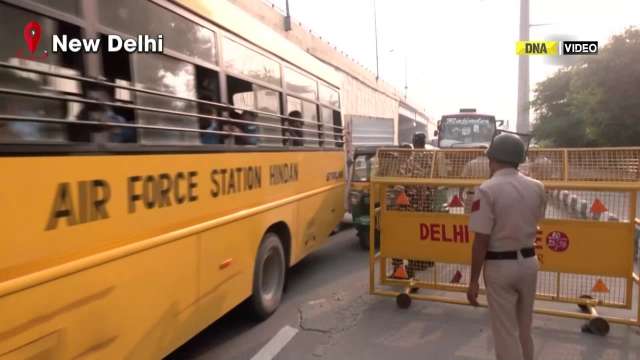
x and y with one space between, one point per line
296 132
100 112
236 127
249 128
208 90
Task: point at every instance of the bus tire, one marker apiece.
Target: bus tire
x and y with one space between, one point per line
268 276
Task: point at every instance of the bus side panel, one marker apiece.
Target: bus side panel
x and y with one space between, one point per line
147 303
51 217
228 258
142 306
317 217
135 305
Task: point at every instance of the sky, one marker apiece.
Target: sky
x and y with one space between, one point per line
459 53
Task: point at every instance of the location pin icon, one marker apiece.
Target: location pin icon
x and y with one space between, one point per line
32 35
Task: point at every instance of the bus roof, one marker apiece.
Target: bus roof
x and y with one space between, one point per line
235 20
323 51
467 114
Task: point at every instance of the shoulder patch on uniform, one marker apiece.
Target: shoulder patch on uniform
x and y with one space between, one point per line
475 206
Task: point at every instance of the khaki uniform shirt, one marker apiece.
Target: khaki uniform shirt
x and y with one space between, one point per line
508 207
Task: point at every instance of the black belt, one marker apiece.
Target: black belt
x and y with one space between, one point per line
510 255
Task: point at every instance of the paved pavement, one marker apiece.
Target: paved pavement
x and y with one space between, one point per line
327 313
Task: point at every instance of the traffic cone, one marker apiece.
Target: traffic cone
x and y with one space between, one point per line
455 202
598 207
402 199
456 277
600 287
400 272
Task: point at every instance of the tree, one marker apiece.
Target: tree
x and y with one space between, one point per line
595 102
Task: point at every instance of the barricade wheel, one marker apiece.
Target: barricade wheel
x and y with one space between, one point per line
403 301
584 308
597 326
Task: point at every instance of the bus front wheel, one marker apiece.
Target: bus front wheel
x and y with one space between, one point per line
268 276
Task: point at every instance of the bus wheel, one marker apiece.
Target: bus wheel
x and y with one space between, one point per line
268 276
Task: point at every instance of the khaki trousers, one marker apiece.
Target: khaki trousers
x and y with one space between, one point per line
511 289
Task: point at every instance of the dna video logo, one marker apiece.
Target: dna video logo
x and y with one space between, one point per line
555 48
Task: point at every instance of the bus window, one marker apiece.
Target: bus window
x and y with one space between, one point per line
329 96
179 33
116 68
68 64
242 60
242 96
326 118
310 113
294 107
337 123
241 93
208 89
167 75
99 112
269 101
294 134
299 84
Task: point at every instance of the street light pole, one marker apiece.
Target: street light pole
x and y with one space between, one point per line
406 86
287 18
522 123
375 30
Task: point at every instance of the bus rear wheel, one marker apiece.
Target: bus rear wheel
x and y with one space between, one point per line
268 276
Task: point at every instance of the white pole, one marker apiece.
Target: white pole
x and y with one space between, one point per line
375 32
406 86
522 124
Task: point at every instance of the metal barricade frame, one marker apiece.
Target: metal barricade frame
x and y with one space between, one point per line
572 178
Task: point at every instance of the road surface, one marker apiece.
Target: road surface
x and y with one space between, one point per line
327 313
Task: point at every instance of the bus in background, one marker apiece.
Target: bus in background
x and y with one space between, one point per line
466 129
146 195
410 122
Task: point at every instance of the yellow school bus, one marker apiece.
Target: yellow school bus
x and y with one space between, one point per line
144 195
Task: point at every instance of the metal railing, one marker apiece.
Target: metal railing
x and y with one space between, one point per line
335 132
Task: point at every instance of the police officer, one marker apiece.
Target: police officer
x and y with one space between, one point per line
504 216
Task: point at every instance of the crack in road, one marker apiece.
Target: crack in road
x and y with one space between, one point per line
304 328
340 318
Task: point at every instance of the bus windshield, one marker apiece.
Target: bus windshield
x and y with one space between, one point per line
466 131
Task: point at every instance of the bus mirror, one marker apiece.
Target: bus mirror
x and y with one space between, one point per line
500 123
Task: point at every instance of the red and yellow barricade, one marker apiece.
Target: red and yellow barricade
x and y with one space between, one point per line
585 244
